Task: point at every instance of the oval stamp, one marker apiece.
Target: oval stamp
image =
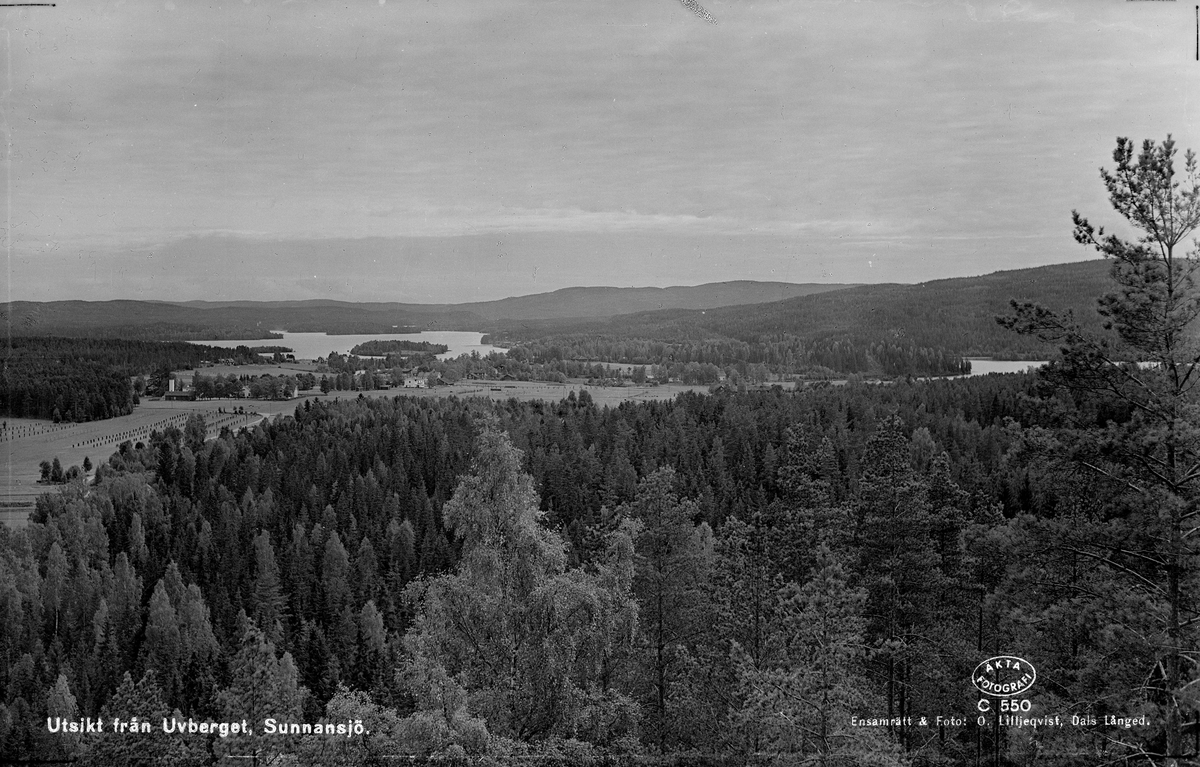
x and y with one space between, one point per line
1004 676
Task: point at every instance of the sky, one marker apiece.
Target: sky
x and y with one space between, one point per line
440 151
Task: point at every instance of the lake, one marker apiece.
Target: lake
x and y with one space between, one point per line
309 346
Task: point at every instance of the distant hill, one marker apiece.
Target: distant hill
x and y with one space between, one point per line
610 302
957 315
252 319
567 303
167 321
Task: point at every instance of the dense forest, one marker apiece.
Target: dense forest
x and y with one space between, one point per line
74 379
348 558
783 354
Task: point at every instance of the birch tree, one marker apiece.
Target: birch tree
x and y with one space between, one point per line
512 643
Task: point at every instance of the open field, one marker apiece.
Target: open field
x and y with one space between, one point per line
25 443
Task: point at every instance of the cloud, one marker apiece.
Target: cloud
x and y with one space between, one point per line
494 265
824 123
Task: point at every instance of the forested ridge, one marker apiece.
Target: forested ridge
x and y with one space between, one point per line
77 379
758 359
924 329
711 536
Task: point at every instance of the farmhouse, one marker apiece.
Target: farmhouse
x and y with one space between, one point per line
177 390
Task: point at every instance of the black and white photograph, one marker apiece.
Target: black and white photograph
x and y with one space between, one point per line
632 383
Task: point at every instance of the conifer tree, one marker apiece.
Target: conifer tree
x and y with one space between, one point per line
803 703
268 599
335 571
746 583
162 649
299 571
402 554
139 703
1142 446
747 608
200 652
372 647
60 705
898 565
366 572
674 561
807 509
125 613
100 671
263 685
136 546
54 587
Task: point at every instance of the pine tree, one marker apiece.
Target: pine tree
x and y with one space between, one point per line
747 611
674 559
898 565
803 703
1143 444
